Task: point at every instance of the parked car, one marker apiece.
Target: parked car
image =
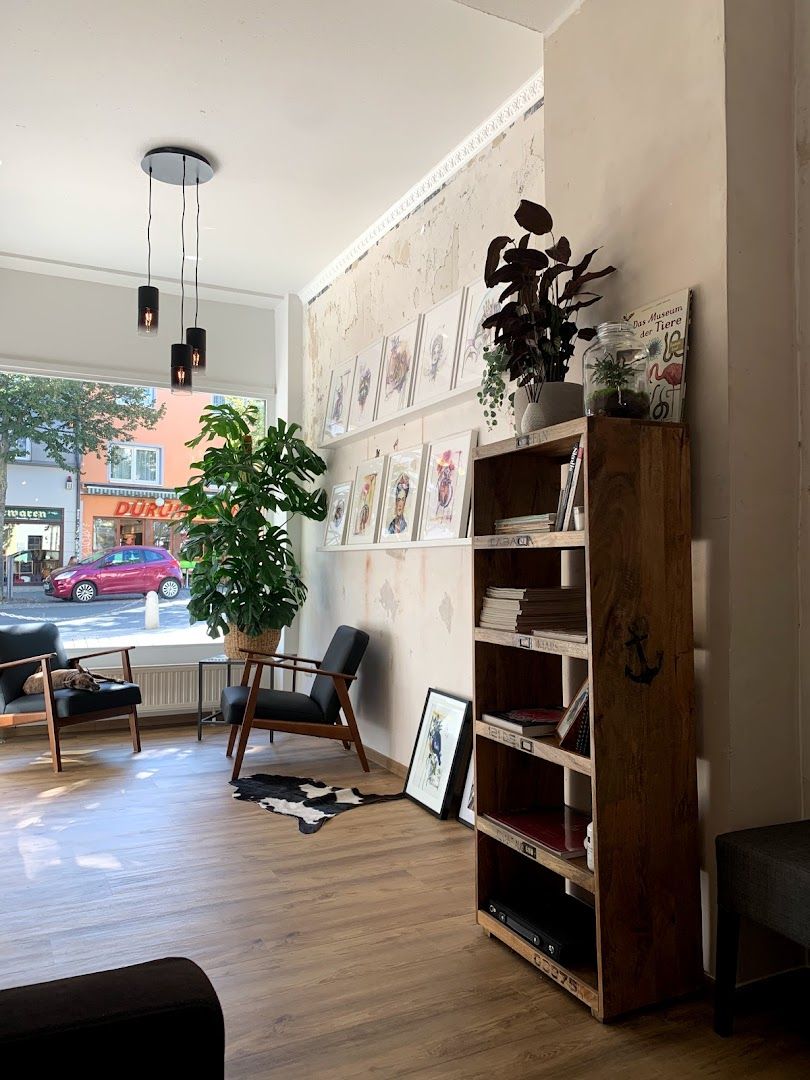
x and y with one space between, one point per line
130 569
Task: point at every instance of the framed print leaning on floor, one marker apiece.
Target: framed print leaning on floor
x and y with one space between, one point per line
440 754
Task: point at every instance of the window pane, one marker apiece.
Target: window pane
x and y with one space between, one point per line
121 464
103 534
146 466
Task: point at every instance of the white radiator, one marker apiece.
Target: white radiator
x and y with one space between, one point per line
173 688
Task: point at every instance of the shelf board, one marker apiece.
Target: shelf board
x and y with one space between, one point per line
499 542
413 412
464 542
548 747
575 870
581 981
556 646
556 441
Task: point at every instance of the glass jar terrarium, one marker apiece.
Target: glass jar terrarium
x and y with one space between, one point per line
615 373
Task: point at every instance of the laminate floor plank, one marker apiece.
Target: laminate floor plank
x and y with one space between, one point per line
347 954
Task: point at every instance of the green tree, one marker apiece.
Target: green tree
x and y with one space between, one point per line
69 419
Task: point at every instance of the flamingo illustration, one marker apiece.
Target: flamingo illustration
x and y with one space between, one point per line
672 373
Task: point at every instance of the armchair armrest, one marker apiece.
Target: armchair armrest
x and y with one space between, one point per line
268 660
300 659
103 652
28 660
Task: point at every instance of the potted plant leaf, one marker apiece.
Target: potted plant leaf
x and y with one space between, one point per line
535 327
246 583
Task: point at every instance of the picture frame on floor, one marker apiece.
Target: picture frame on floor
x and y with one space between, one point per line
401 495
448 477
337 515
436 773
466 810
366 500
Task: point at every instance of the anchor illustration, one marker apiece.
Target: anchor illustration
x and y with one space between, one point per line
639 632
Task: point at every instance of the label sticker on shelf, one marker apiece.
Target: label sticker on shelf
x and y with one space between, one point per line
527 744
525 642
522 440
527 849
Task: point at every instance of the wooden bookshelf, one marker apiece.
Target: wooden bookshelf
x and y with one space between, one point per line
640 780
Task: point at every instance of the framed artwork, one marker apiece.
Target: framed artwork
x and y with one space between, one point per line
663 326
438 342
403 485
366 502
479 303
466 811
337 404
440 753
446 500
337 515
397 370
365 386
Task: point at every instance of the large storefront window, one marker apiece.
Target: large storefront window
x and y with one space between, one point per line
34 539
137 463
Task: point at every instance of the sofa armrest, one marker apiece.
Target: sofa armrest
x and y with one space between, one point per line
162 1018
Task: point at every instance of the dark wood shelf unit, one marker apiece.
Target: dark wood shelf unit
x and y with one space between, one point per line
634 558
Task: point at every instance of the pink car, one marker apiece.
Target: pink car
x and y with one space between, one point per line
120 570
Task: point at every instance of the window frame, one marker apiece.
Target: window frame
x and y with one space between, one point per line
158 482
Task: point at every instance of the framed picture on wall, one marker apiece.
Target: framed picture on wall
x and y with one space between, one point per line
337 515
466 810
365 510
365 386
403 486
438 344
446 499
337 403
437 770
479 303
399 358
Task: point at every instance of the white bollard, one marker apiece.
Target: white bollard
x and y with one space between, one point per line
151 612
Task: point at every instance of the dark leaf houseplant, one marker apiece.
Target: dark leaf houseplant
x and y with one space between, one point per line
246 583
535 328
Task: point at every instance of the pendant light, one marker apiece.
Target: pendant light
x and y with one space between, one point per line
181 368
148 295
177 165
195 335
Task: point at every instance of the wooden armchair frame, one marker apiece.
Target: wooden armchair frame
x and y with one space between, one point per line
347 733
56 723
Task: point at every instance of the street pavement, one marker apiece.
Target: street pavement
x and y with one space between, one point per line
105 622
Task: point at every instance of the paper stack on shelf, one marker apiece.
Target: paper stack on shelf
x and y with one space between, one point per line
524 610
531 523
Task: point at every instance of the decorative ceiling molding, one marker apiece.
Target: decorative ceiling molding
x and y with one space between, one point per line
529 95
103 275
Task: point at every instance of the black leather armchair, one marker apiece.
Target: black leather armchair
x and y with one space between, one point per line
160 1019
26 648
316 713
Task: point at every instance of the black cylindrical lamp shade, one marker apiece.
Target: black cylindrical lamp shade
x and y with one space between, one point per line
195 339
148 309
181 369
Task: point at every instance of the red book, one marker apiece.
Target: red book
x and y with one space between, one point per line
560 830
526 721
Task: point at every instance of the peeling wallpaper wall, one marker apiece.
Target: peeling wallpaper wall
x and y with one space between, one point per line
415 603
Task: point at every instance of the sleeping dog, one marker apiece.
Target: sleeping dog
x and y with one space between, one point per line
73 678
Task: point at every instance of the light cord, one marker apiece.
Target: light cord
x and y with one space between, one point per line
149 234
183 249
197 261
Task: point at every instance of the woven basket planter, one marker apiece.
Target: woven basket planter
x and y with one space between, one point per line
236 642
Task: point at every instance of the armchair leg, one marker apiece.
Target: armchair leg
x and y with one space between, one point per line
53 739
134 731
348 712
232 739
347 746
247 723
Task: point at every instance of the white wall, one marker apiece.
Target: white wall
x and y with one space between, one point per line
64 326
415 603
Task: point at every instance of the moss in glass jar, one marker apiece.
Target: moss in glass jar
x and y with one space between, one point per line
615 369
608 401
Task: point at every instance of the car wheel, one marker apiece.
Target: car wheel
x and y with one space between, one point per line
169 588
84 592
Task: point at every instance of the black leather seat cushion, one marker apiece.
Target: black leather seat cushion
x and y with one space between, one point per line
270 705
80 702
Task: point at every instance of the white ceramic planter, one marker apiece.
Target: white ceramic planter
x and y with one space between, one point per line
558 402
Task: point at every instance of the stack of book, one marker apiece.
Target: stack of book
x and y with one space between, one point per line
526 721
560 831
525 610
531 523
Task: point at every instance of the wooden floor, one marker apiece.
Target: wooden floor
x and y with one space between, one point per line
349 953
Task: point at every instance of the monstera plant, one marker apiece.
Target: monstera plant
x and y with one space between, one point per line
246 582
535 327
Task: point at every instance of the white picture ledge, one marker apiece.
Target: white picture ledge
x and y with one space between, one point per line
393 546
413 412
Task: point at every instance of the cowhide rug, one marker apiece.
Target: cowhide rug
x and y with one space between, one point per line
311 801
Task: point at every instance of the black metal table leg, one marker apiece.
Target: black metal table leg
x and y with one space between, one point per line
199 699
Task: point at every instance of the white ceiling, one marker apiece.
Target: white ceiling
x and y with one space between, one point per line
319 113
